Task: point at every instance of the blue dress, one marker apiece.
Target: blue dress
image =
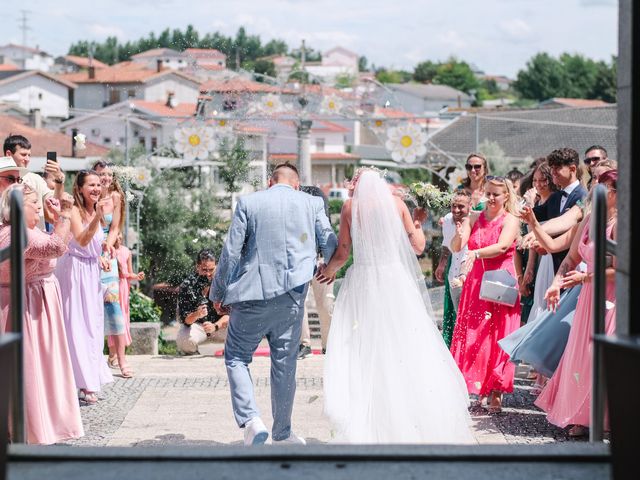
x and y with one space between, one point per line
113 317
541 342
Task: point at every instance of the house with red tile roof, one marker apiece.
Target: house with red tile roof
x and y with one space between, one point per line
98 88
74 64
557 102
33 90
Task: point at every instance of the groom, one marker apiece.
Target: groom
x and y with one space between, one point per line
263 273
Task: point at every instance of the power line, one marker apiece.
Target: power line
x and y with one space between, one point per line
24 26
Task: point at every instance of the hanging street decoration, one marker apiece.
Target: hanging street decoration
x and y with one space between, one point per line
195 142
406 142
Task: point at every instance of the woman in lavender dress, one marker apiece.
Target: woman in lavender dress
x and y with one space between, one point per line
78 272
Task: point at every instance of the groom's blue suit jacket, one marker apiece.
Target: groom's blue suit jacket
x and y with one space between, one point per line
272 245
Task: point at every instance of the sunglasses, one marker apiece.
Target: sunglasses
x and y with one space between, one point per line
590 160
12 179
496 178
470 167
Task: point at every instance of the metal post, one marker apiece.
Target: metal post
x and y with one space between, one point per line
304 152
477 133
18 240
125 234
598 235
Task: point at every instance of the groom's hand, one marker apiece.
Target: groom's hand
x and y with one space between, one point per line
222 310
324 276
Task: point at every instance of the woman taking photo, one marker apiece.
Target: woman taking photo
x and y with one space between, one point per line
78 272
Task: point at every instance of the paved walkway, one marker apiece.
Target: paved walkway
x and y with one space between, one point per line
185 401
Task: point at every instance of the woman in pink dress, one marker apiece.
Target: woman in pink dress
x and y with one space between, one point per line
52 411
490 237
567 395
78 272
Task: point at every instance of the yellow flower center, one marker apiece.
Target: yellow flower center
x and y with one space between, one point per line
194 140
332 105
222 123
270 104
406 141
378 123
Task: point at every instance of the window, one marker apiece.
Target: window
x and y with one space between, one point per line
320 144
114 96
40 96
131 93
154 143
229 105
106 140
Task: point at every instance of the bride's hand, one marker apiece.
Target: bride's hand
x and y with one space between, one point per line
325 275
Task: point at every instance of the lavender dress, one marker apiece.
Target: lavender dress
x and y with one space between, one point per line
78 273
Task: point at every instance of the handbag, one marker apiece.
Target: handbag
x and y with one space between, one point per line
499 286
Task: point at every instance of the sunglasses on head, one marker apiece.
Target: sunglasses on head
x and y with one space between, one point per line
590 160
470 167
496 178
12 179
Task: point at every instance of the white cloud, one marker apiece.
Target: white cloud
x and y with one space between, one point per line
102 31
452 39
516 29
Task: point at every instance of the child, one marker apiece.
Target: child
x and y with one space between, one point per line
125 267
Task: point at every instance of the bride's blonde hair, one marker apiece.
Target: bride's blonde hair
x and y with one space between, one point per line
510 204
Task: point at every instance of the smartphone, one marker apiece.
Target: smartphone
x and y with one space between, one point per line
53 156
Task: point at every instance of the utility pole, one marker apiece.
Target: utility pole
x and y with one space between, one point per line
303 55
24 26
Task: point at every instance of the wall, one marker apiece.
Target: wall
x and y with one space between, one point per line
50 97
90 96
183 90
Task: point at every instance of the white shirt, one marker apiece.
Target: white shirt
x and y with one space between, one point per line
568 189
457 258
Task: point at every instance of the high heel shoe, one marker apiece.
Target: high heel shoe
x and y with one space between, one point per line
112 361
90 398
126 372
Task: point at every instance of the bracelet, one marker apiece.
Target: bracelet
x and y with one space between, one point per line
477 254
58 181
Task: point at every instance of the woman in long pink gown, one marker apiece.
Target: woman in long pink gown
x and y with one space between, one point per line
567 395
51 404
480 324
123 254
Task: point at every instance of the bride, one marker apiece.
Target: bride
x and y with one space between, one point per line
388 376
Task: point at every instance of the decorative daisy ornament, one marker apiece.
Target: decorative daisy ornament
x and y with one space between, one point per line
195 142
331 104
406 142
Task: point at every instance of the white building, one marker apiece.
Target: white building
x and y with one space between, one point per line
427 99
34 90
335 63
161 58
98 88
26 58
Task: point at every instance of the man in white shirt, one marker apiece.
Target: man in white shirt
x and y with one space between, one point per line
19 148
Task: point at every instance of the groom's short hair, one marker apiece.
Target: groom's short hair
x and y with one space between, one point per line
280 166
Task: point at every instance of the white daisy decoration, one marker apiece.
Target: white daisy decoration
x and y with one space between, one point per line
456 177
331 104
222 127
406 142
378 125
142 177
80 140
195 142
269 104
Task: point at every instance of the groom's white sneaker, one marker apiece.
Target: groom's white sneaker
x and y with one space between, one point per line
255 433
292 439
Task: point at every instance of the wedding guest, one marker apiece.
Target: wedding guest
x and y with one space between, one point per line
490 238
19 148
199 321
126 274
450 267
51 405
10 173
78 272
515 176
477 169
600 168
322 295
593 155
567 396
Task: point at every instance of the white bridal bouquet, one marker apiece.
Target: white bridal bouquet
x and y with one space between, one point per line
430 197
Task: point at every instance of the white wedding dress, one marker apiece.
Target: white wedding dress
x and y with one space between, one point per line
388 375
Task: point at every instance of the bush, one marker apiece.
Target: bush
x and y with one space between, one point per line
335 206
143 308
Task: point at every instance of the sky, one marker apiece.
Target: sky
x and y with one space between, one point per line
498 36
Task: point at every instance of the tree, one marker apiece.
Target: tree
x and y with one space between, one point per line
456 74
344 80
498 162
261 67
543 78
235 169
581 74
605 84
425 72
392 76
362 64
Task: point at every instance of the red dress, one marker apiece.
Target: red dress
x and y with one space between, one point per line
480 324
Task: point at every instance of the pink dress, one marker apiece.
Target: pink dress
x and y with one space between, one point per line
480 324
567 395
51 403
123 254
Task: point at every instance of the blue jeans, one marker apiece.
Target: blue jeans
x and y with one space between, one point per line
280 320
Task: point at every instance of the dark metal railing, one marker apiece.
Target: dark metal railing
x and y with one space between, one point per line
15 253
602 247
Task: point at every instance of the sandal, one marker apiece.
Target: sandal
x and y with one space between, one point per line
112 361
578 431
126 372
90 398
496 404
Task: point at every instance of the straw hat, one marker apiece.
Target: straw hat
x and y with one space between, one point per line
7 163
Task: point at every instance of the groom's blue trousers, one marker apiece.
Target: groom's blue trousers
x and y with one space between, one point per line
280 321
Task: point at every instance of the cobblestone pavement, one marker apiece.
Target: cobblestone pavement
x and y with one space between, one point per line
185 401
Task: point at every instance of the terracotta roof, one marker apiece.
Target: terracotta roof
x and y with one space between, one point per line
157 52
204 53
43 140
213 68
7 67
391 112
576 102
323 125
314 156
161 109
22 47
83 62
341 50
236 85
125 72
